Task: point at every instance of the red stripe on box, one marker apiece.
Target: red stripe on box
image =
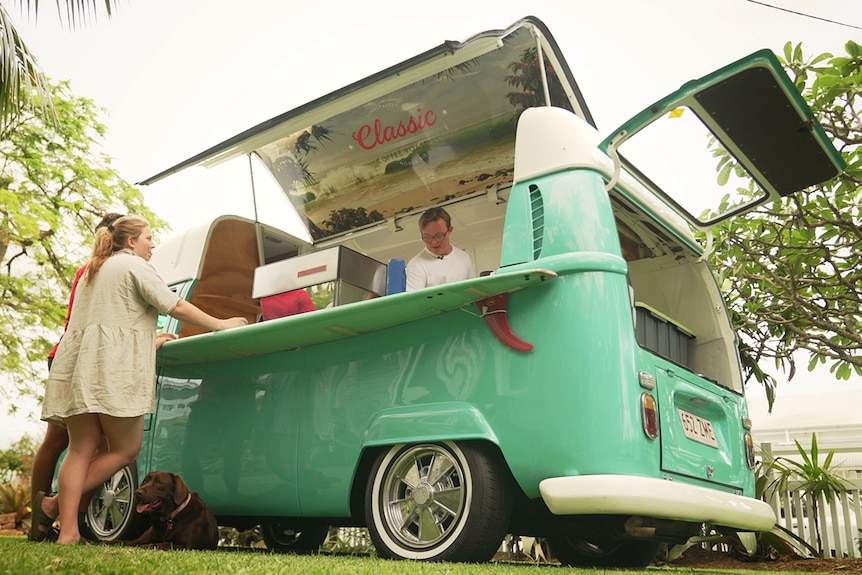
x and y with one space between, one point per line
310 271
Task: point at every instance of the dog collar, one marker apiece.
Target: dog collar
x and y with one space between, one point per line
177 511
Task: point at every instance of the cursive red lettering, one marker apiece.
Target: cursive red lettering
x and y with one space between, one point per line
369 136
361 136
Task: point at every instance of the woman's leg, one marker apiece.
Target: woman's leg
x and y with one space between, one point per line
85 436
45 463
47 456
123 436
88 495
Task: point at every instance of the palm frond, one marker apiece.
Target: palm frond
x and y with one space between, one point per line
22 84
804 455
72 13
75 13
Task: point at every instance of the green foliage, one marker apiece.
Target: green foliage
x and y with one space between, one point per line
55 184
349 541
15 498
291 167
344 219
791 270
18 459
526 76
323 295
811 477
16 465
233 537
23 87
815 478
763 546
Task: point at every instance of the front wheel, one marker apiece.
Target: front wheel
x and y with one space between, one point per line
111 514
288 537
438 502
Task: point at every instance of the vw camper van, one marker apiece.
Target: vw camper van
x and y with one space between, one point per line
585 387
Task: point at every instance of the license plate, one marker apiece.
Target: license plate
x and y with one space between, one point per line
697 428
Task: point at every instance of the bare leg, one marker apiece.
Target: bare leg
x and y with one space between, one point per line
88 495
85 435
81 472
123 436
45 462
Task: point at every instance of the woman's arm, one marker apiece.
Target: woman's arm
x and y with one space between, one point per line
189 313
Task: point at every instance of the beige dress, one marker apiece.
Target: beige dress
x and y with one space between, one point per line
106 362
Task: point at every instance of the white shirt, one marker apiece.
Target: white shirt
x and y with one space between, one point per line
428 269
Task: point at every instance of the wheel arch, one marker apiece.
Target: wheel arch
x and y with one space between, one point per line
444 421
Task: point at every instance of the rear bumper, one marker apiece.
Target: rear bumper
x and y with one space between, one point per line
650 497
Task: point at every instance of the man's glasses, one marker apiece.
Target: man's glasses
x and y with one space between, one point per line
436 237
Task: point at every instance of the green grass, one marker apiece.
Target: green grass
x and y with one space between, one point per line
21 557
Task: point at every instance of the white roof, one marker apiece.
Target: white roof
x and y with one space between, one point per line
836 418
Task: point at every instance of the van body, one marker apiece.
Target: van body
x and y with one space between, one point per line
585 388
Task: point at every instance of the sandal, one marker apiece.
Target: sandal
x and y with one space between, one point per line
39 519
52 535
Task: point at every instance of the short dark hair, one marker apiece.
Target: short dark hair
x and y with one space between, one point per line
107 220
434 214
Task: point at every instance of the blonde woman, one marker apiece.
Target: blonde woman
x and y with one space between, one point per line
102 380
56 439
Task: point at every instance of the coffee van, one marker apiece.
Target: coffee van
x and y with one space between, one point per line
585 388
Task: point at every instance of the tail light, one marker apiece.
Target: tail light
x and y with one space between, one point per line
649 415
749 450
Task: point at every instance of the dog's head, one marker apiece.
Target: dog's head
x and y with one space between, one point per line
161 492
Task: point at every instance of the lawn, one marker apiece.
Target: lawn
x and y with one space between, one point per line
19 556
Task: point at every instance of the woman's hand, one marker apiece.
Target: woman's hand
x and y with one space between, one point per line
161 338
188 312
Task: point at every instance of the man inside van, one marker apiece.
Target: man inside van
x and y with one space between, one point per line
439 262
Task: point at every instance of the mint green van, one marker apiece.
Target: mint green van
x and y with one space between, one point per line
585 388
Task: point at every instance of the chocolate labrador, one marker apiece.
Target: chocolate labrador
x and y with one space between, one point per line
179 518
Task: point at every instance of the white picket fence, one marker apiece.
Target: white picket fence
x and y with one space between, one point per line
838 521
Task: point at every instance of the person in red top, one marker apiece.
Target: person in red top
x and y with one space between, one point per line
78 275
56 437
285 304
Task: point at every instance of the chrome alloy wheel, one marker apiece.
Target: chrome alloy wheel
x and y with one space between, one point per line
424 494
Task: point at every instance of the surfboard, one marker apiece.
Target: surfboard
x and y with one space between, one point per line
327 325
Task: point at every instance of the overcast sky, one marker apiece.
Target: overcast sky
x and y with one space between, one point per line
177 77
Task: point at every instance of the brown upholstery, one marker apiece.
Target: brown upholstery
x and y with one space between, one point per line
224 288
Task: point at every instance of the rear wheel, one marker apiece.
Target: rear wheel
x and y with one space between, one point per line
438 502
111 513
289 537
601 549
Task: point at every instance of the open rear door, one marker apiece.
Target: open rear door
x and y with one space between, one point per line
683 148
749 109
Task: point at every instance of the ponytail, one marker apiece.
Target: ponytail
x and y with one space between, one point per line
112 239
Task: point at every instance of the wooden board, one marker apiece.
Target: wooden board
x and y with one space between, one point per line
337 323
